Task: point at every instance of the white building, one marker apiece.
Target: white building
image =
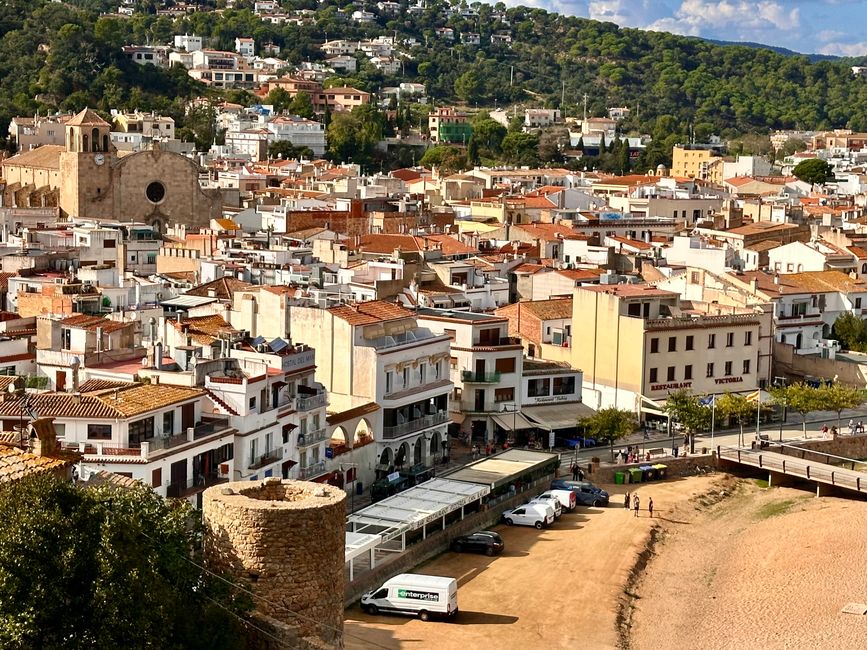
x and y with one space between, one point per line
299 131
246 47
188 42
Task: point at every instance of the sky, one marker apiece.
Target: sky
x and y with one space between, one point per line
836 27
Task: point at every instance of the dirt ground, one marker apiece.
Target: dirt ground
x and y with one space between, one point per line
763 568
557 588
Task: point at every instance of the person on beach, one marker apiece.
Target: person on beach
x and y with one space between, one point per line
636 505
650 506
626 501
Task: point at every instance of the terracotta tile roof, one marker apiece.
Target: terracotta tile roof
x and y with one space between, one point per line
111 479
451 246
227 224
581 275
92 323
5 382
548 309
410 174
47 157
87 117
16 464
95 385
389 243
531 269
343 416
634 243
4 280
858 252
549 231
631 290
137 399
224 288
760 227
766 245
367 313
824 281
204 329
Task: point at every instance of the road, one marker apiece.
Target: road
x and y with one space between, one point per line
556 588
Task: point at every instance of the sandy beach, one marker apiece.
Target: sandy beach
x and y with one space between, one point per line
754 568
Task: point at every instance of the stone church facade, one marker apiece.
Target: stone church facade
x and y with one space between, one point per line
88 179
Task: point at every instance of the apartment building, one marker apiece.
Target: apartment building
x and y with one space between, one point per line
376 353
639 342
31 132
700 162
149 125
449 125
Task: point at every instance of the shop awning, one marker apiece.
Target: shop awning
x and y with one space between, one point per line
558 416
647 405
512 421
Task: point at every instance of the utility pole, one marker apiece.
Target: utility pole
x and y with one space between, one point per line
511 75
585 107
563 95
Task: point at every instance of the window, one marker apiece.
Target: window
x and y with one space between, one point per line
389 379
690 342
169 423
268 442
140 430
406 377
564 385
504 394
108 243
654 375
687 373
857 303
422 371
710 370
748 338
633 309
654 346
254 450
8 371
746 366
315 423
670 374
728 368
672 344
252 403
66 339
539 388
505 365
99 431
303 430
711 341
730 339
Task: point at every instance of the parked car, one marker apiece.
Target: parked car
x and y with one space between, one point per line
414 595
534 514
566 497
586 494
483 541
552 501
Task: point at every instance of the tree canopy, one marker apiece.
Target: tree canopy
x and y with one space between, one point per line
814 171
609 425
104 568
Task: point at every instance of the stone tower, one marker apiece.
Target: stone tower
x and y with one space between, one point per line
284 540
85 167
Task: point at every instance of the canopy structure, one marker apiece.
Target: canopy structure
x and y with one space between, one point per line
356 545
504 468
647 405
413 508
558 416
512 421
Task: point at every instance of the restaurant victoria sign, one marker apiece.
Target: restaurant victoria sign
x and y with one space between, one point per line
728 380
671 386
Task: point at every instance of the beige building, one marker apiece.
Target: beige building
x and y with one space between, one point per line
637 343
694 162
92 181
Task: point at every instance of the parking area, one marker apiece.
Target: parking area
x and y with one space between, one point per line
554 588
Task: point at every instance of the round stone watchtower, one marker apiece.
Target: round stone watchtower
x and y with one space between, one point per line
284 540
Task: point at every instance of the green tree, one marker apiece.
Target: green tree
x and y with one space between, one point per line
521 148
839 397
814 171
469 86
472 151
684 407
287 151
733 405
609 425
851 332
104 568
489 135
446 158
279 98
799 397
302 106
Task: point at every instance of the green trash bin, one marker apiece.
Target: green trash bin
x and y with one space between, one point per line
635 475
619 478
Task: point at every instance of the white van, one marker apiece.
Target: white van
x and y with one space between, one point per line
552 501
414 594
531 514
565 497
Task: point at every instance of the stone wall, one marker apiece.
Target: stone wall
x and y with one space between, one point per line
845 446
675 467
285 541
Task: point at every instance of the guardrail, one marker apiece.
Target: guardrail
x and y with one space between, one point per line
412 426
470 377
309 403
797 467
313 469
267 458
311 438
182 489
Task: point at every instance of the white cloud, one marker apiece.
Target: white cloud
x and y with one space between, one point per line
742 17
626 13
844 49
827 35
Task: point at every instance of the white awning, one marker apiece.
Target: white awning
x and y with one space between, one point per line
558 416
359 543
507 420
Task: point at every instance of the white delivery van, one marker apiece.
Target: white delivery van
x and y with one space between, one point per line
565 497
531 514
414 594
552 501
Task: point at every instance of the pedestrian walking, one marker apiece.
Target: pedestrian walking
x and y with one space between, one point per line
833 433
475 452
580 474
626 501
488 449
644 428
851 427
650 506
860 426
575 471
824 430
636 505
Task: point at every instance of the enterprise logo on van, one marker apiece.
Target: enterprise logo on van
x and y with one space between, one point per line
428 596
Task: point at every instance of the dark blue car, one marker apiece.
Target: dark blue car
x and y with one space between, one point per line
586 493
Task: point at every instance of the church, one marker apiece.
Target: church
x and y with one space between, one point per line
88 178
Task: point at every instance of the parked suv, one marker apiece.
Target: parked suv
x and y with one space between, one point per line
586 494
483 541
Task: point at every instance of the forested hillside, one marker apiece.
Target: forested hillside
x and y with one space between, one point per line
63 56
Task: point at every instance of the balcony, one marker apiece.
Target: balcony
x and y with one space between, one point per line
183 489
314 469
311 438
400 430
158 444
503 341
310 403
267 458
470 377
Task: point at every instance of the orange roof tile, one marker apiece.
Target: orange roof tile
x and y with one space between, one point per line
367 313
16 464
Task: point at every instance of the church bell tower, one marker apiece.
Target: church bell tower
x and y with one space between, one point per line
85 167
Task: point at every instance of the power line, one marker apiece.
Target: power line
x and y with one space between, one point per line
273 604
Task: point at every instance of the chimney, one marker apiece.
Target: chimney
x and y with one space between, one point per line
754 285
43 437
